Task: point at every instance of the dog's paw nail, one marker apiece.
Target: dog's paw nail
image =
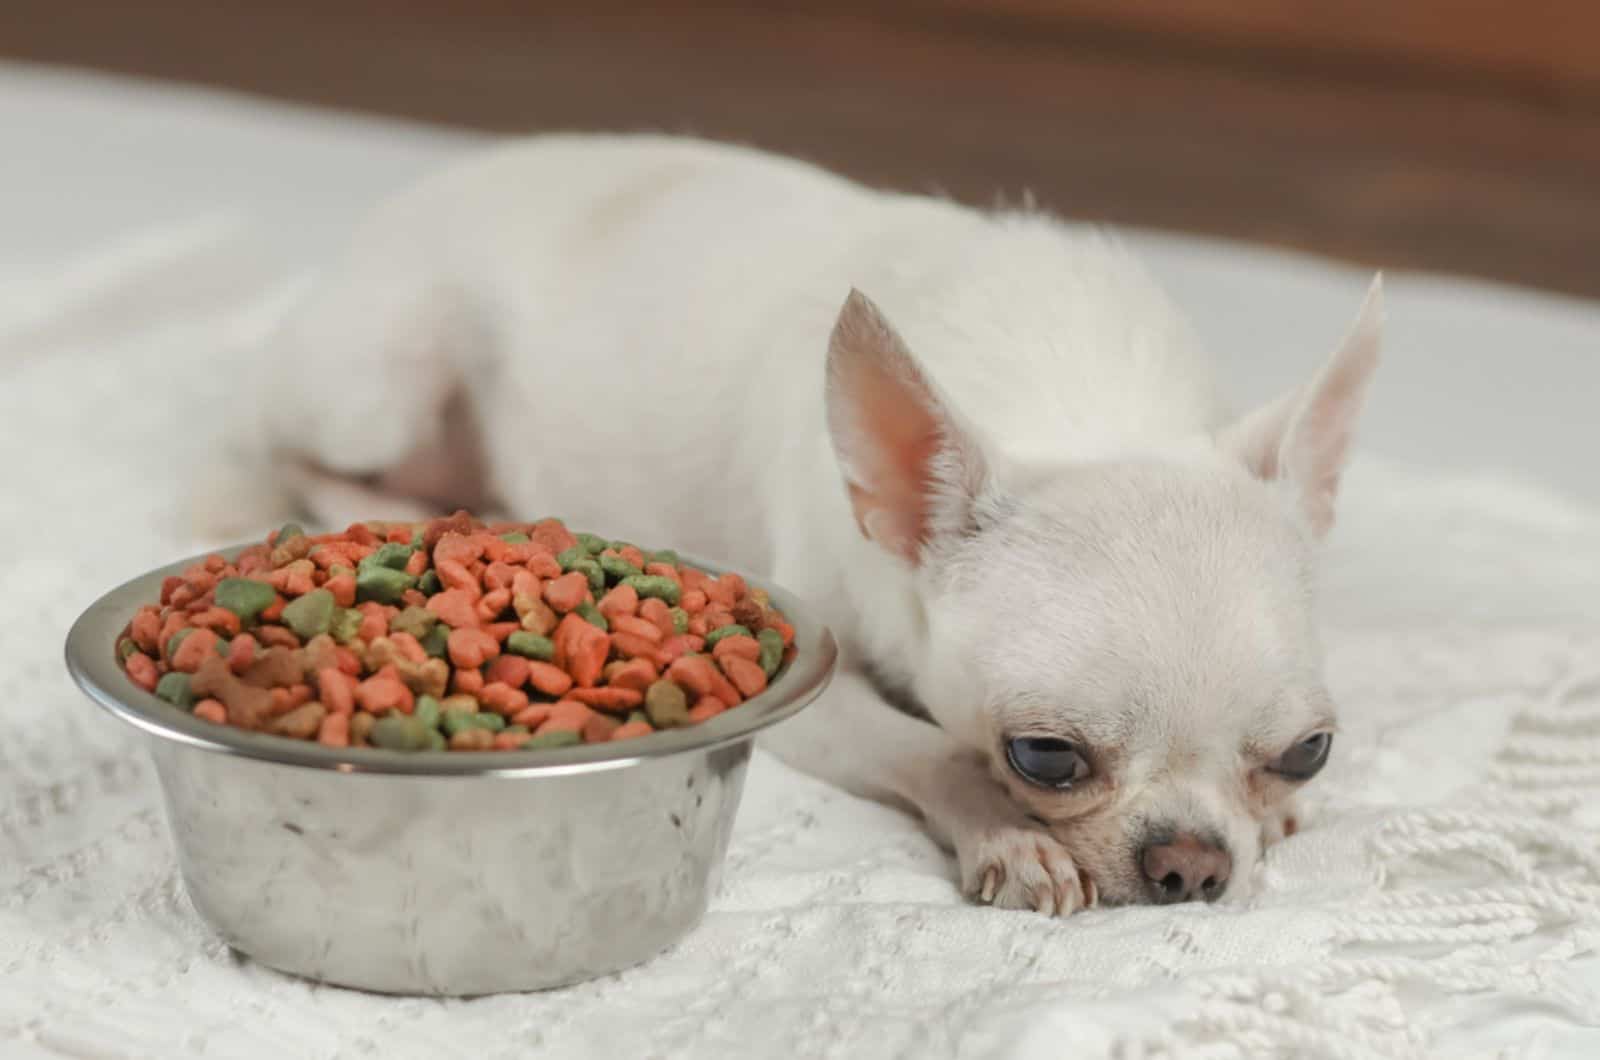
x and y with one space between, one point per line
1091 893
1022 868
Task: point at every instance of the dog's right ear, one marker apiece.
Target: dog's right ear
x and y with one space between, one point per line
913 470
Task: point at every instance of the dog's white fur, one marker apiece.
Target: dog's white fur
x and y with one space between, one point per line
1020 505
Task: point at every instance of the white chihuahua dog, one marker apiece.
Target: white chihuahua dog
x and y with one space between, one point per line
1075 599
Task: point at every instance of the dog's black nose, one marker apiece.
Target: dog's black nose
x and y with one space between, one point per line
1185 868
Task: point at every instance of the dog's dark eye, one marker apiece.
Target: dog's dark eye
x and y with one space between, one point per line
1305 759
1046 761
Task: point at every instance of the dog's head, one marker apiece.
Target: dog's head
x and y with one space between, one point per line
1135 633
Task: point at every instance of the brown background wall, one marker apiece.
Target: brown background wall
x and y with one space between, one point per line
1461 135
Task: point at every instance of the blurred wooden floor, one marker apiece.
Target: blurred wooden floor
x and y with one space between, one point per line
1459 135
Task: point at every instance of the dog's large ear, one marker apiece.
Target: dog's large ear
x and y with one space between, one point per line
914 471
1304 436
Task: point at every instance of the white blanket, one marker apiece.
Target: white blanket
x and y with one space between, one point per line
1442 899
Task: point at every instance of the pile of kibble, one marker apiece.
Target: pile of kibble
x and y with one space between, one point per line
454 635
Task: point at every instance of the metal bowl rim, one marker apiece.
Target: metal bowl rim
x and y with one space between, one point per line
91 660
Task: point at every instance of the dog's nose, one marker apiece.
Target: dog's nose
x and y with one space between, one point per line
1185 868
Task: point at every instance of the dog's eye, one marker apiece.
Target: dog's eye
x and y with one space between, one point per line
1305 759
1046 761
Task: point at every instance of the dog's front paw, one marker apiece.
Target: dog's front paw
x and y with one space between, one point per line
1023 868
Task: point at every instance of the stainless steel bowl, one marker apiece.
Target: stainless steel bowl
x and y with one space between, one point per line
445 873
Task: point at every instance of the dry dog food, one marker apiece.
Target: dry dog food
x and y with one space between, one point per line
454 635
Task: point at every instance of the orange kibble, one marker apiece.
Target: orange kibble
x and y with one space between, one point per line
348 661
493 603
662 570
197 647
632 554
456 576
471 648
725 689
384 691
467 682
503 699
501 575
628 730
640 627
211 710
274 611
658 614
707 708
509 741
533 715
142 671
373 624
334 731
674 647
456 608
337 689
715 616
598 728
508 669
417 563
697 624
525 583
219 620
241 653
145 629
620 601
410 648
693 673
566 592
543 565
737 645
566 715
551 680
581 649
277 637
501 630
552 535
637 674
632 647
747 676
343 588
607 698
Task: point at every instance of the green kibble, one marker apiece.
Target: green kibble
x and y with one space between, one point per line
174 688
514 539
531 646
417 621
430 583
638 716
436 642
383 584
771 642
616 568
400 732
515 730
618 545
177 639
591 614
592 543
288 531
724 632
666 704
393 556
665 555
310 615
345 625
680 620
656 585
571 557
427 711
436 741
547 740
125 648
244 597
454 721
223 646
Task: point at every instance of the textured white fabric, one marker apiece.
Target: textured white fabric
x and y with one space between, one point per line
1441 900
